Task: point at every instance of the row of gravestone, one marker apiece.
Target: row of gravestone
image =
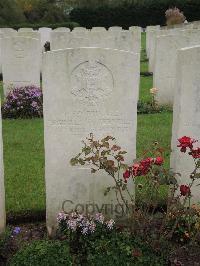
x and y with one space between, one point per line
21 54
95 90
162 48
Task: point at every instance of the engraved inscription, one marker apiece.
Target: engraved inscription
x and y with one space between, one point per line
91 81
19 51
76 124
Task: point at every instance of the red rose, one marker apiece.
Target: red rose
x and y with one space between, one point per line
145 165
195 153
185 190
186 142
159 161
126 175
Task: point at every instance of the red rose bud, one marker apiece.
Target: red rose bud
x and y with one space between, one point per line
159 161
195 153
126 175
185 190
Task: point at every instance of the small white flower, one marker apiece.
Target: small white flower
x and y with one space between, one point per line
110 224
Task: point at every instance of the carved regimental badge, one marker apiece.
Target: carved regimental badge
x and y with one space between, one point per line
91 81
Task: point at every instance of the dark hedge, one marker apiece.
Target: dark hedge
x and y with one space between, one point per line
147 12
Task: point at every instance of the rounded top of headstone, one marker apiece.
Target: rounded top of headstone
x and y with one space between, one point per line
62 29
79 29
98 29
115 28
45 29
25 30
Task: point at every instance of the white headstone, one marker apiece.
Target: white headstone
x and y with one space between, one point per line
186 115
45 35
149 30
20 62
137 34
165 66
165 61
2 189
151 47
86 90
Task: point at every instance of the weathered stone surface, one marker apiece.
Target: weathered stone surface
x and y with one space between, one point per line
20 62
2 189
86 90
186 116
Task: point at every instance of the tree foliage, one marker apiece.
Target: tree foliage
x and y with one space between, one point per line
10 12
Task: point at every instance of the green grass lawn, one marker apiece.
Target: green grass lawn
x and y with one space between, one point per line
24 151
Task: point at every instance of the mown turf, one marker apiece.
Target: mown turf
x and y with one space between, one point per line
24 151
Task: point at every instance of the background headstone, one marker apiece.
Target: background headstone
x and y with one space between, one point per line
86 90
45 34
165 61
21 60
186 115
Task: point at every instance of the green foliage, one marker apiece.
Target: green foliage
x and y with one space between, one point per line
43 253
126 14
42 10
122 249
10 12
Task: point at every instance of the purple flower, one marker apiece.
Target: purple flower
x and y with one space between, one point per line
34 104
16 230
23 102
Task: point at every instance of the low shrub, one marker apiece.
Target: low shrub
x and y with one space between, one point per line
123 249
23 102
43 253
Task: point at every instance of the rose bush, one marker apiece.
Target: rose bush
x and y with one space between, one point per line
106 155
